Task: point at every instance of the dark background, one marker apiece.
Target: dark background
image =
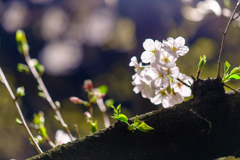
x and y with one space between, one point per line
95 39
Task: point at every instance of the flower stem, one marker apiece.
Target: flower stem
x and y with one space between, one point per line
230 88
4 80
224 35
47 95
183 83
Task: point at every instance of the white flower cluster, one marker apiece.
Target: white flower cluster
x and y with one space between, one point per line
161 74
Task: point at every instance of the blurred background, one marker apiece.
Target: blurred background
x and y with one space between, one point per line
95 39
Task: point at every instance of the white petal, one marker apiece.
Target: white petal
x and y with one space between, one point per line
174 72
158 45
179 41
182 50
137 89
147 56
165 102
185 91
157 99
156 83
165 82
149 45
133 62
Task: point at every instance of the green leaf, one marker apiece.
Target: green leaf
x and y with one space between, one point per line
226 67
136 121
235 70
132 127
234 76
118 109
144 127
43 131
93 126
202 62
103 89
109 102
121 117
226 77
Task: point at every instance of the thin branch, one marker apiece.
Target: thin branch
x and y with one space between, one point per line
230 88
4 80
183 83
223 38
103 109
76 127
198 74
50 142
45 91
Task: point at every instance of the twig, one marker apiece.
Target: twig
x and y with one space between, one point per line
210 124
198 74
223 38
230 88
50 142
4 80
103 109
76 127
45 91
183 83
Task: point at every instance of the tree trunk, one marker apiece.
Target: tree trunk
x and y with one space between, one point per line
204 128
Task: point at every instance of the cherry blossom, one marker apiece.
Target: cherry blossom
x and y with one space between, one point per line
175 47
161 75
151 49
181 88
161 96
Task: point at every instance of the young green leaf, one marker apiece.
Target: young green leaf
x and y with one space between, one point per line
235 70
226 67
136 121
103 89
93 126
43 131
118 109
202 62
121 117
234 76
144 127
109 102
132 127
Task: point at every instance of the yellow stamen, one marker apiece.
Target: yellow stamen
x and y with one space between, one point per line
174 49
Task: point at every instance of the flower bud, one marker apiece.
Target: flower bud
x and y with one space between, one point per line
202 62
22 43
20 92
58 104
18 121
88 85
23 68
87 115
76 100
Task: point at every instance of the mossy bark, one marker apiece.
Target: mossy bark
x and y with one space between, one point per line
204 128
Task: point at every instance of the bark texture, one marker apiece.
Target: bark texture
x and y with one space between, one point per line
204 128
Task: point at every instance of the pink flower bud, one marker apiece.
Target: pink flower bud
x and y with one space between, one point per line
88 85
87 115
75 100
